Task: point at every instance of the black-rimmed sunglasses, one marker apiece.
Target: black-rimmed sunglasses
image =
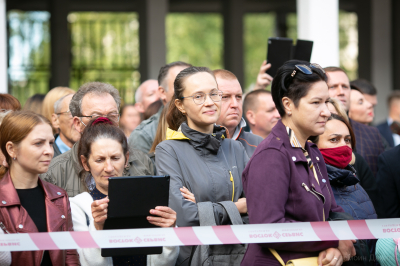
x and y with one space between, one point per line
306 69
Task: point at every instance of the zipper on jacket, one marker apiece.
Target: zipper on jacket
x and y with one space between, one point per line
233 185
3 227
308 190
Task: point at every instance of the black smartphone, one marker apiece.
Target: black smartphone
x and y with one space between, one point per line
303 50
279 51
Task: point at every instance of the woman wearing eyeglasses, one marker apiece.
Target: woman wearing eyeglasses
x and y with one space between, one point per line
199 158
286 180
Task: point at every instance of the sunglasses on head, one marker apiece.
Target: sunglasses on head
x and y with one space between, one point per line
306 69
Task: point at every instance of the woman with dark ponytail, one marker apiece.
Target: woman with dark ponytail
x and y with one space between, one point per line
103 152
27 203
286 180
205 166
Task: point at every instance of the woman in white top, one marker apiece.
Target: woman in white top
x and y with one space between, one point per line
103 151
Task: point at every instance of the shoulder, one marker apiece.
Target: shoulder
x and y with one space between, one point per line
146 124
382 125
53 190
391 155
60 160
250 138
81 199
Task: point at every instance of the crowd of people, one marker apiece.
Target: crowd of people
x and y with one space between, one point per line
302 151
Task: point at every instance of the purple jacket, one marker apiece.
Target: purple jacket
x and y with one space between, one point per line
273 183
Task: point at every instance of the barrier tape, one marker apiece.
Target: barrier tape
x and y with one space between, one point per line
204 235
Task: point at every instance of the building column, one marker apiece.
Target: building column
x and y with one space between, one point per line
281 24
364 38
396 44
381 63
3 48
318 21
60 43
152 39
233 12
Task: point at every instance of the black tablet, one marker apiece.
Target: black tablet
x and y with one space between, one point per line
279 51
131 199
303 50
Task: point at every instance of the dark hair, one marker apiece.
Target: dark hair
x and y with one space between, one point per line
251 100
393 96
363 86
165 69
174 117
295 88
9 102
34 103
341 119
15 127
100 128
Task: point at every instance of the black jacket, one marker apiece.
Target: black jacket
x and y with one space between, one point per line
385 131
388 178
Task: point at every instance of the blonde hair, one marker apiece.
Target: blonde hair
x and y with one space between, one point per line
51 97
339 108
161 132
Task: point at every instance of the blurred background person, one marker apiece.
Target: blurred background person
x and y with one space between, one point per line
51 97
62 122
367 89
29 204
142 137
369 142
260 112
9 102
146 94
129 119
390 129
34 103
152 109
232 110
103 151
361 110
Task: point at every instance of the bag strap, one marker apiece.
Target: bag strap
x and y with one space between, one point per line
276 255
206 214
232 211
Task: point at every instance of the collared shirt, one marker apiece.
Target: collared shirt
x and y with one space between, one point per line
238 129
296 144
396 137
61 145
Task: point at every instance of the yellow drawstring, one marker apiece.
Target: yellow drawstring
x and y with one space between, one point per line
233 185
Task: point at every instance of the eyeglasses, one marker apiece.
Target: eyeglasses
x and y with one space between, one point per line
114 117
200 97
306 69
67 112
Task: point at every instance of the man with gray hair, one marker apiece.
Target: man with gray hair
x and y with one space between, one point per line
146 94
143 136
92 100
62 121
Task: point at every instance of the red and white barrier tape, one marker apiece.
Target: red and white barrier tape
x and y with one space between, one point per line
204 235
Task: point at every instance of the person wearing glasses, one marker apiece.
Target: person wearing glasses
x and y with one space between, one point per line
62 123
92 100
205 166
286 180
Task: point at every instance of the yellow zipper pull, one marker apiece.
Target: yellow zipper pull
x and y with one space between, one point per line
233 185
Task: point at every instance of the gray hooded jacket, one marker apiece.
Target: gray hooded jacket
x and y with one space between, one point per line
202 163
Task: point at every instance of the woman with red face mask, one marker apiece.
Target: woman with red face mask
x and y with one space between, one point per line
335 146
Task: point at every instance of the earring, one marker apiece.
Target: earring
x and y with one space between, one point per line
14 158
289 113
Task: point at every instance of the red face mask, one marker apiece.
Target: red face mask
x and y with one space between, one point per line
339 157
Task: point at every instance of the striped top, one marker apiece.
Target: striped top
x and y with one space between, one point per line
296 144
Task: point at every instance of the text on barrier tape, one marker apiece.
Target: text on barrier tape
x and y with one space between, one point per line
204 235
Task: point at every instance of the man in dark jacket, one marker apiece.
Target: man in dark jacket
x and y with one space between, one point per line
388 178
390 128
62 121
232 110
369 142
